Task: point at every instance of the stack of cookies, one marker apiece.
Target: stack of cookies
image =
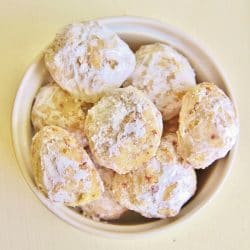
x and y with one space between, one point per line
118 131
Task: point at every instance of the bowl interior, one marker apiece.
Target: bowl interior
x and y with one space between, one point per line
136 32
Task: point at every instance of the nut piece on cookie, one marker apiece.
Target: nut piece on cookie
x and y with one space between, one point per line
161 188
62 169
208 125
105 208
55 106
123 130
164 75
87 59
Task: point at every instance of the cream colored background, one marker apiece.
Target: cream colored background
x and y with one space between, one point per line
27 26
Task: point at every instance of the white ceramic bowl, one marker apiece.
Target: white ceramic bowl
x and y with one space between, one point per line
135 31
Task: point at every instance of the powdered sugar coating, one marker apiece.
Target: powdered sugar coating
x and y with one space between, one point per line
164 75
161 188
208 125
105 208
87 59
62 168
124 130
55 106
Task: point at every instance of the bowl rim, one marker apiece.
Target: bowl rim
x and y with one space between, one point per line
160 228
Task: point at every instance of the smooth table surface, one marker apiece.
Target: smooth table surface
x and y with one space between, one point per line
26 27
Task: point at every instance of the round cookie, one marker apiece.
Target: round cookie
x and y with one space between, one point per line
123 130
208 125
55 106
161 188
164 75
105 208
87 59
62 168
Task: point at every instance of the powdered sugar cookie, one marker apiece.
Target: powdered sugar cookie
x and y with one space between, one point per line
124 130
208 125
62 168
87 59
55 106
161 188
164 75
105 208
